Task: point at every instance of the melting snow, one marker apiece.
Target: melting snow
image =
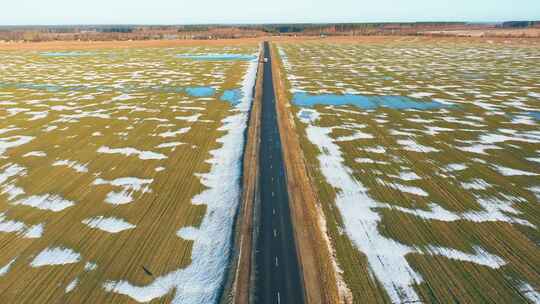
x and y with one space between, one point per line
4 270
36 154
72 285
108 224
170 144
411 145
475 184
13 141
480 256
456 167
144 155
34 232
81 168
511 172
129 185
174 133
200 282
404 188
530 292
192 118
51 202
386 257
89 266
55 256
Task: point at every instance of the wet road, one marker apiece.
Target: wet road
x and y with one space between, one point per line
278 274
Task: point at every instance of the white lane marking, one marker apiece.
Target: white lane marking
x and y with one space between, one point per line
274 211
273 194
275 233
277 264
278 298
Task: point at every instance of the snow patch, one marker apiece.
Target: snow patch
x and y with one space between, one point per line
174 133
512 172
55 256
72 285
530 292
35 154
13 141
411 145
170 144
81 168
128 185
143 155
4 270
108 224
34 232
51 202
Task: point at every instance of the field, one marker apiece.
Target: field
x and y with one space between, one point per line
120 172
425 157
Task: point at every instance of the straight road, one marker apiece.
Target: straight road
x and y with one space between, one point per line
278 274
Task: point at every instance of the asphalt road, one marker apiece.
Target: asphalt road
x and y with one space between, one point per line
278 275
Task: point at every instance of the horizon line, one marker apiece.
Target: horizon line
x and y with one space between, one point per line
267 23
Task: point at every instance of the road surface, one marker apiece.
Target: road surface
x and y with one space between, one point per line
278 275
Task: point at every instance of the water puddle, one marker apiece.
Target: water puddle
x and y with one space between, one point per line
232 96
200 91
365 102
34 86
535 114
217 57
66 54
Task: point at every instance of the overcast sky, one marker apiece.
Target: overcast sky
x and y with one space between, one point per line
46 12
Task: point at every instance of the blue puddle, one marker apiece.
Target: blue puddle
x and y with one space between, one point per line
218 57
365 101
535 114
200 91
34 86
66 54
232 96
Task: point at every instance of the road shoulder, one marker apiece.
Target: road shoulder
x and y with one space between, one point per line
318 273
240 285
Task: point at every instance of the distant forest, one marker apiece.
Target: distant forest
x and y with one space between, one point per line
216 31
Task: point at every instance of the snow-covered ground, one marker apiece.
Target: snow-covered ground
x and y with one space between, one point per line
201 280
418 142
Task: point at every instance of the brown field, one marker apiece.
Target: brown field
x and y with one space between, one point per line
532 41
92 45
524 33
